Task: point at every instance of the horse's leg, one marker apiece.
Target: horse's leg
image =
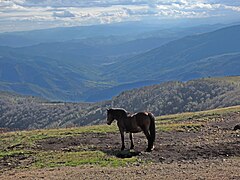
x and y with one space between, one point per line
150 144
122 138
131 138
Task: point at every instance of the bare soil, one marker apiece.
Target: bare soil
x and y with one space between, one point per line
209 152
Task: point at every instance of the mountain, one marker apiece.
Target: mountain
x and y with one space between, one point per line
60 34
111 33
92 53
159 63
126 32
27 112
95 70
66 71
219 65
42 76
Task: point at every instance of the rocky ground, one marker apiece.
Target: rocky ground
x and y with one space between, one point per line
211 151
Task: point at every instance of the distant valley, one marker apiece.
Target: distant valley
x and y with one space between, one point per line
74 64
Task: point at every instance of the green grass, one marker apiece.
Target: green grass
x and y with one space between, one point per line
14 153
201 115
24 143
191 120
28 138
56 159
17 143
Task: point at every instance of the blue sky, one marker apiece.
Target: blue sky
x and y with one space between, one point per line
35 14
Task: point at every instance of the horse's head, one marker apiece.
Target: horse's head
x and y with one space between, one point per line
110 117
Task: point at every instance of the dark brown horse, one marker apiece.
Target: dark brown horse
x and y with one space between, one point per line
142 121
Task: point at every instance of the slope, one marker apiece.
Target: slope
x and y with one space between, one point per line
166 98
170 57
98 68
42 76
187 145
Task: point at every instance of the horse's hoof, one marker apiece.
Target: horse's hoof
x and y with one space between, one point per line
149 149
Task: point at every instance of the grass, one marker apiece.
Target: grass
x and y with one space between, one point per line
13 144
191 120
56 159
14 153
28 138
24 143
201 115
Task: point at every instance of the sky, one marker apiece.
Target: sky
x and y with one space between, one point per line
17 15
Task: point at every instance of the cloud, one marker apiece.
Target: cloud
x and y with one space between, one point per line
233 8
63 14
88 12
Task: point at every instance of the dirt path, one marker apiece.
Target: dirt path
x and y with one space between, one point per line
213 169
211 152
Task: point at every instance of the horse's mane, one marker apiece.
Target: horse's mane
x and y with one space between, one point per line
119 111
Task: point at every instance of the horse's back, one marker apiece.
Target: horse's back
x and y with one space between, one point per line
131 125
142 116
142 119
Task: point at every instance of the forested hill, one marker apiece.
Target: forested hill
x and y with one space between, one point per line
21 112
175 97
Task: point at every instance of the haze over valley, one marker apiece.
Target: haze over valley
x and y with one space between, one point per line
94 67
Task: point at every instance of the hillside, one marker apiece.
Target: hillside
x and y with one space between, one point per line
165 62
174 97
44 77
67 71
27 112
200 145
95 68
21 112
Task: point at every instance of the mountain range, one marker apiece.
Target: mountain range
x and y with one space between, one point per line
162 62
95 68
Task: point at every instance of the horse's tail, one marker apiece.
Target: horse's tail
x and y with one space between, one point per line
152 127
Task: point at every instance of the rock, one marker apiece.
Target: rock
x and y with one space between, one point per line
162 159
237 127
200 178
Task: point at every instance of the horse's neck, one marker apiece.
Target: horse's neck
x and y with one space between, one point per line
120 115
122 118
125 119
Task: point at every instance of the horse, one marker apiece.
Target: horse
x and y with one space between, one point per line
138 122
